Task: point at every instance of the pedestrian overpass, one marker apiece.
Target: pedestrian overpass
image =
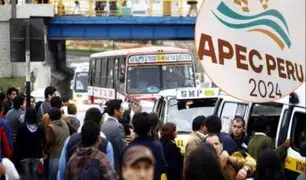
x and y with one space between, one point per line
121 20
121 28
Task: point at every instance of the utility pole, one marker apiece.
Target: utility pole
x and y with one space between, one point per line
13 11
13 16
27 57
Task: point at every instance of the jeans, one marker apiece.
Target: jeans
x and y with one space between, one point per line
53 168
29 167
46 169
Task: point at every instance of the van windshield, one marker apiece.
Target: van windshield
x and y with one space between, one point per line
183 117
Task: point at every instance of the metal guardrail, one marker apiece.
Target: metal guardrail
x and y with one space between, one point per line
123 7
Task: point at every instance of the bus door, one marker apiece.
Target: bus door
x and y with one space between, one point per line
121 77
294 162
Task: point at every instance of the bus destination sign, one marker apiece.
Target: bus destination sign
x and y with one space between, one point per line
159 58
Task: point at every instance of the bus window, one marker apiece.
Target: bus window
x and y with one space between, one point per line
92 72
271 111
110 73
299 130
97 72
104 73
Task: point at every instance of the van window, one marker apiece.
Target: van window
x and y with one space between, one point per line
283 129
299 130
229 111
272 111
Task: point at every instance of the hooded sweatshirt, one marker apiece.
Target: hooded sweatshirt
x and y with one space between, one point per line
30 140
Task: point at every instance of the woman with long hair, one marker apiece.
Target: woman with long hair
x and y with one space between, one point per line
171 151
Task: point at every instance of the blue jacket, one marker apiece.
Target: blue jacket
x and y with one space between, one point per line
228 143
63 161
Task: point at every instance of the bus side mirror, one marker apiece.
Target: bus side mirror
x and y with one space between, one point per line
121 78
303 149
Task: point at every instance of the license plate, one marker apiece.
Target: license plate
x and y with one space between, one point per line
209 92
180 143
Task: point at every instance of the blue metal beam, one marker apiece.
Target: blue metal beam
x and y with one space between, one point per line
121 28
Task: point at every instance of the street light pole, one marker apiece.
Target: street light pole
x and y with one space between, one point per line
27 57
13 11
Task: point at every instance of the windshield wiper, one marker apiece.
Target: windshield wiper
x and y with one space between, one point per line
183 132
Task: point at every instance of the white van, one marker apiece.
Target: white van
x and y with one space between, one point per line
287 117
181 106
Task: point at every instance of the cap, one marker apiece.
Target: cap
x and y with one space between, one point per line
136 153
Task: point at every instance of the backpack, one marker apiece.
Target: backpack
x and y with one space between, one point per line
75 141
91 170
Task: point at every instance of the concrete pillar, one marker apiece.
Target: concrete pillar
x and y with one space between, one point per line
61 75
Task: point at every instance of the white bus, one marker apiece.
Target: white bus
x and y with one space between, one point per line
139 73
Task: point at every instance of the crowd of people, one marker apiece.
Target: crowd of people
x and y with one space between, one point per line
42 141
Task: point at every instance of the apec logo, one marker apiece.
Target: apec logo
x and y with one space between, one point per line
269 22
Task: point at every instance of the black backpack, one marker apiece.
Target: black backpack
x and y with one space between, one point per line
91 170
75 142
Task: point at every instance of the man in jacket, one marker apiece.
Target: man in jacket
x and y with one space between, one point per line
262 141
45 107
234 168
74 141
8 103
90 137
197 136
238 133
114 130
214 126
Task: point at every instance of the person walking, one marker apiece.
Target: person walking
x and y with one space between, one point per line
57 132
172 153
114 130
88 162
74 141
30 142
141 124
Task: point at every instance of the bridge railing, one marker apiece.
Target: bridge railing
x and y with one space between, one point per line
123 7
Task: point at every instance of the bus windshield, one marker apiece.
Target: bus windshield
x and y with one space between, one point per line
81 81
152 79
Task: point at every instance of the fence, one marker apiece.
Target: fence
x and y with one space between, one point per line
123 7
